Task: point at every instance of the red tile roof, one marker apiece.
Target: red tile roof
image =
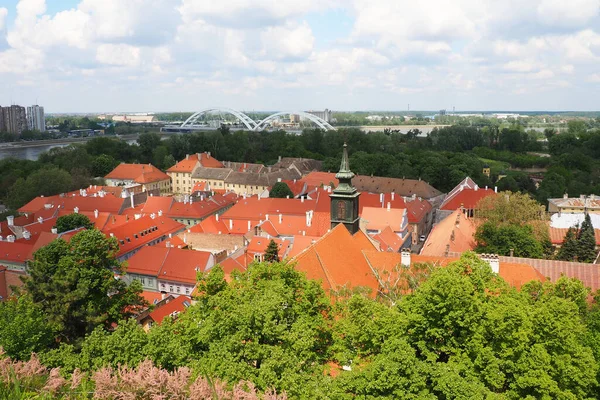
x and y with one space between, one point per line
146 229
172 264
557 235
173 307
468 198
455 231
188 164
140 173
336 259
389 240
258 245
378 219
17 252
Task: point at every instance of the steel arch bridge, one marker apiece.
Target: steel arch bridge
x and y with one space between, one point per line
250 123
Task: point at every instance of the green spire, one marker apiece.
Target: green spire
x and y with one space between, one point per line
344 176
345 172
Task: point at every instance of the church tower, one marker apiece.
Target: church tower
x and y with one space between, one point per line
344 199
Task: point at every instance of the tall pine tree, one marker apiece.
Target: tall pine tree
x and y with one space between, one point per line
272 253
570 247
586 241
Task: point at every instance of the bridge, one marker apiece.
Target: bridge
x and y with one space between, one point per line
194 121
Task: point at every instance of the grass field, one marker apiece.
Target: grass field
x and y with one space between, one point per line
496 166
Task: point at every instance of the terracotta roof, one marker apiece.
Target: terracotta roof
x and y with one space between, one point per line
258 245
389 240
585 202
152 297
16 252
185 166
377 184
154 204
416 208
557 235
301 243
169 263
140 173
324 261
146 229
468 198
173 307
379 218
455 231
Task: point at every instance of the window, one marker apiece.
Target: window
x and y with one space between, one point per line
143 281
257 257
162 285
170 288
187 290
178 289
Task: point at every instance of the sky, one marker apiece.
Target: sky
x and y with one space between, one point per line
293 55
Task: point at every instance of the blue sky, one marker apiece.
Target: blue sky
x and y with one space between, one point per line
170 55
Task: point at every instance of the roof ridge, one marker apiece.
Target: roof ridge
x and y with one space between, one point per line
325 271
162 265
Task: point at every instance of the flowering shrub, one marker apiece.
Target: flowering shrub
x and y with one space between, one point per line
30 379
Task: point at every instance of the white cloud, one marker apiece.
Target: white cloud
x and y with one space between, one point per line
567 13
595 78
118 54
290 41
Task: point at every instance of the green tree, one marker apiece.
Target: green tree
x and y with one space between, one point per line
102 165
168 161
281 190
270 326
46 181
272 252
504 238
586 241
23 328
148 142
74 285
569 249
73 221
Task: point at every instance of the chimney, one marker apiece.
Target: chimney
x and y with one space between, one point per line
278 180
308 219
512 252
279 158
137 216
54 230
96 213
280 218
160 213
381 199
405 257
40 220
565 196
187 156
26 235
10 238
393 196
132 202
10 220
230 224
76 210
208 154
185 238
476 188
301 199
389 206
217 217
486 187
287 197
249 225
495 189
152 215
266 217
199 156
493 261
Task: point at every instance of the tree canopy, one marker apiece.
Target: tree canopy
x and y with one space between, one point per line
281 190
73 283
73 221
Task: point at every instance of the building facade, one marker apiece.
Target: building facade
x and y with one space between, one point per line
14 119
36 119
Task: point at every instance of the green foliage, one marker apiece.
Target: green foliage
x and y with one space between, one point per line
42 182
272 252
281 190
586 241
569 249
23 328
502 239
74 285
73 221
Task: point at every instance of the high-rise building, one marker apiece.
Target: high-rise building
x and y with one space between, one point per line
325 115
15 120
36 119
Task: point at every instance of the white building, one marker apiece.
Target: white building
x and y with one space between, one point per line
36 119
324 115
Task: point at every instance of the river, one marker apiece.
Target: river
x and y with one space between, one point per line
31 151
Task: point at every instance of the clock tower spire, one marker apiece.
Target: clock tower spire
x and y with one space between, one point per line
344 199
